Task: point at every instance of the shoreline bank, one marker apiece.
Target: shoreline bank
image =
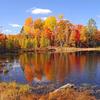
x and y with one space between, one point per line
13 91
50 49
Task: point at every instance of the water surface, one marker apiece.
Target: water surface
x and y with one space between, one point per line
77 68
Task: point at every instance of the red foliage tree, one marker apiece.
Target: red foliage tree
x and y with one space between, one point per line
77 36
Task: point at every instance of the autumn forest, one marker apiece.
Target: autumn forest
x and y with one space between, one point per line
52 32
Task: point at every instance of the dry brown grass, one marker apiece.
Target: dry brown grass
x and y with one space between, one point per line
74 49
70 94
12 91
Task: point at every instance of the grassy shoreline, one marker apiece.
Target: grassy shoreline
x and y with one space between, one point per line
14 91
50 49
73 49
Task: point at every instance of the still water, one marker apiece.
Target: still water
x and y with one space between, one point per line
77 68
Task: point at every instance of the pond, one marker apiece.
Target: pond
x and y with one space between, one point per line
62 68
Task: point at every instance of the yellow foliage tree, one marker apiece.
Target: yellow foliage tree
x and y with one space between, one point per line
50 22
28 21
28 25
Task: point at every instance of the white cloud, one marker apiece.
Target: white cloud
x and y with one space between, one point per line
98 16
39 11
6 31
43 18
15 25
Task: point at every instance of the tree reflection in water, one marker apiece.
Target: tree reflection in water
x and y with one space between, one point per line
58 66
78 67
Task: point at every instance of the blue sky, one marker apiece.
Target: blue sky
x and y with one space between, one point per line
14 12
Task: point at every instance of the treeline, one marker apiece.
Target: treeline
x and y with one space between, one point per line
53 31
